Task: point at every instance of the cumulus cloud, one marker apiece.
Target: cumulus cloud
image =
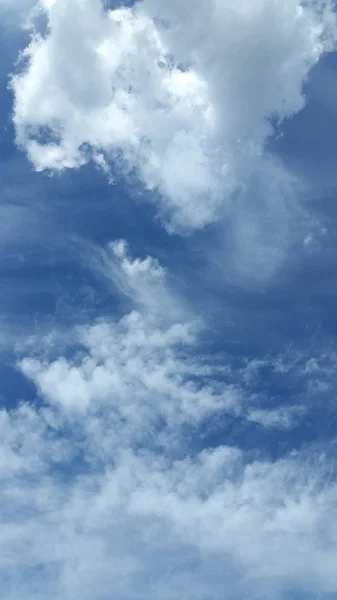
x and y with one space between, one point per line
114 480
181 95
147 526
106 490
137 370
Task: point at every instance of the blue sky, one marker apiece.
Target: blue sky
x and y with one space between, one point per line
168 264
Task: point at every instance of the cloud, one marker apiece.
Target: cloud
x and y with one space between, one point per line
137 525
14 15
138 370
144 281
121 479
283 417
6 4
106 491
182 96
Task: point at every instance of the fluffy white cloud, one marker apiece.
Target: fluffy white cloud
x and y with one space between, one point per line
142 525
180 94
105 491
137 371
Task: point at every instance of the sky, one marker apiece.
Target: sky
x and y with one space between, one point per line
168 272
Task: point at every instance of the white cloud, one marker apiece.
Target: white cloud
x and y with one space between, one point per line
282 417
144 281
16 6
180 94
137 370
145 526
104 495
16 14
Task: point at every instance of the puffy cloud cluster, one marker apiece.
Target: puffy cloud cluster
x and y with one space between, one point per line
107 492
182 95
136 524
121 479
137 371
